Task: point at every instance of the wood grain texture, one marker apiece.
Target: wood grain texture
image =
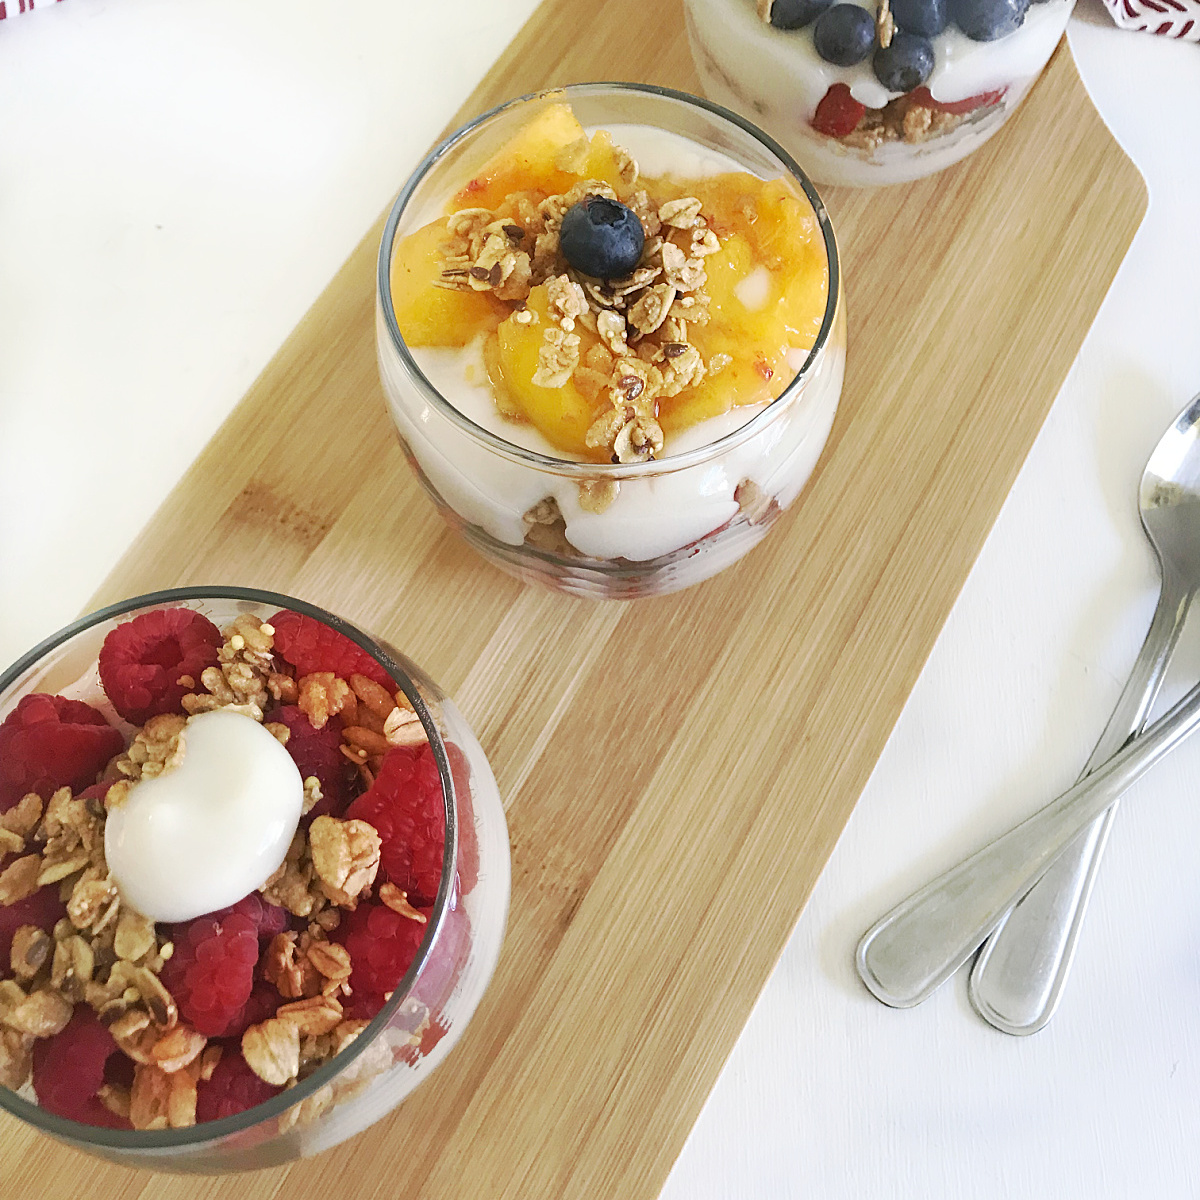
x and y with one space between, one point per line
676 770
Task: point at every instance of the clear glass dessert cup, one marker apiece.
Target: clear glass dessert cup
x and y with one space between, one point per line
675 520
776 77
443 985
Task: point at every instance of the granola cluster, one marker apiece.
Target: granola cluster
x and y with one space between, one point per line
102 953
331 862
641 320
105 955
904 119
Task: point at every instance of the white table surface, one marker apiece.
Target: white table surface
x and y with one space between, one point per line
178 182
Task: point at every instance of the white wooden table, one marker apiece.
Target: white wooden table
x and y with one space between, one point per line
177 184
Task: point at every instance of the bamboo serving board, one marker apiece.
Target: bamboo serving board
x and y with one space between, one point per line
676 771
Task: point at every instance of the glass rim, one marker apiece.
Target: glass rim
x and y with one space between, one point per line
213 1131
572 468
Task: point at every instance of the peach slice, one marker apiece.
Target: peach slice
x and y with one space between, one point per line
429 315
541 157
562 414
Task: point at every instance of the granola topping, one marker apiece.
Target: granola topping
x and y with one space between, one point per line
627 313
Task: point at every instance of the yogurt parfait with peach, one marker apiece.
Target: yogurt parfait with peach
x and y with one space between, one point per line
609 335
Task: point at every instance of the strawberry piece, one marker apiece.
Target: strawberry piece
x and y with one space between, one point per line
838 113
405 805
922 97
142 661
311 646
47 742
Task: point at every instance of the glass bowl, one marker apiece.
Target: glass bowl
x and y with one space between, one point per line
775 77
674 520
441 988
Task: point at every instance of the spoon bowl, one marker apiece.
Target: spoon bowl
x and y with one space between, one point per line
1169 495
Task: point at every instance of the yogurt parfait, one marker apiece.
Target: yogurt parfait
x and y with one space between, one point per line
253 881
610 337
867 94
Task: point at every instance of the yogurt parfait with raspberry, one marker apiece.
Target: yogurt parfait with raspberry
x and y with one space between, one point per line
254 878
874 93
610 336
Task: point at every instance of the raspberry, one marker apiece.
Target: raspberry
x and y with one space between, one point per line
68 1070
268 919
838 113
382 944
316 752
262 1003
446 960
42 909
212 970
310 645
362 1006
468 841
232 1089
47 742
438 978
142 661
405 805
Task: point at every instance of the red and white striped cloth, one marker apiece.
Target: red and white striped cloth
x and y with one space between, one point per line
16 6
1171 18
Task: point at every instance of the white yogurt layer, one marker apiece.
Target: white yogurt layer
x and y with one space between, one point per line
649 517
777 78
203 835
653 515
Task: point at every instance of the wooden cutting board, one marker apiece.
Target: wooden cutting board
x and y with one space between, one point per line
676 771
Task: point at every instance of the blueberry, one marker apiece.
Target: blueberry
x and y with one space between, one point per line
795 14
987 20
926 17
601 237
905 64
844 34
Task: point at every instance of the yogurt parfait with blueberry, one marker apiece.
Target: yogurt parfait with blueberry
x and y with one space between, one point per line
867 94
609 335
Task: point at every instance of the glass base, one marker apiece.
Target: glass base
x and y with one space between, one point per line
610 579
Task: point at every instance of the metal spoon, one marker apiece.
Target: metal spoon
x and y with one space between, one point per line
1018 978
918 945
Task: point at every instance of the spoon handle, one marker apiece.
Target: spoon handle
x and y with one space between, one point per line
917 946
1018 978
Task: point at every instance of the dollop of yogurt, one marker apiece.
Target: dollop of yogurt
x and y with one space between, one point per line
210 831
